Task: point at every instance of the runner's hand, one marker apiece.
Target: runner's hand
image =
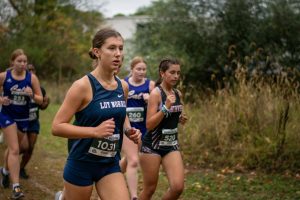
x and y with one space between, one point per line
28 91
105 129
183 118
134 135
170 100
5 101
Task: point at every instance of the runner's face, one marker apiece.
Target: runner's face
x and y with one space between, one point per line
31 69
139 71
20 63
172 75
111 53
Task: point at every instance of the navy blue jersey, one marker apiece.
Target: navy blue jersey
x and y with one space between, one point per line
106 104
136 105
18 109
165 135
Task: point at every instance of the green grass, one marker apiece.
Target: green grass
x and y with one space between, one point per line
247 186
200 184
49 142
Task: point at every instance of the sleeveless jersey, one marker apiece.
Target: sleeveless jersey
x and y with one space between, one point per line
105 104
165 135
136 105
18 109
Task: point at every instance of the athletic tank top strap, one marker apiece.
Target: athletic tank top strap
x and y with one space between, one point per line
8 75
28 76
162 93
147 82
92 80
177 95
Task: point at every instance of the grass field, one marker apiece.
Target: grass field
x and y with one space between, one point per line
47 164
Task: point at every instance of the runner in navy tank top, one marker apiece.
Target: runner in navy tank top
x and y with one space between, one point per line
30 138
18 109
136 104
139 89
19 87
160 144
98 102
105 105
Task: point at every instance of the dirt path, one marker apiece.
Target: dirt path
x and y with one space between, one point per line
45 171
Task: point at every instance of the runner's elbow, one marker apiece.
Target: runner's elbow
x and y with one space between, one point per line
54 130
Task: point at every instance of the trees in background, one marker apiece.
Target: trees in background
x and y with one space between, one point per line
247 43
55 35
211 36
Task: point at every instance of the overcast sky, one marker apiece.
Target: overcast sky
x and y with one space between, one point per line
112 7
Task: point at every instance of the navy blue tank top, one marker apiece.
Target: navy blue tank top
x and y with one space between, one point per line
18 109
105 104
136 105
165 135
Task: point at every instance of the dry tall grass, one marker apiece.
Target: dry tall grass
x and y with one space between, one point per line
56 91
254 124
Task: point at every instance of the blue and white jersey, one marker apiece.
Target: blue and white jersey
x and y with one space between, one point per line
106 104
18 109
136 105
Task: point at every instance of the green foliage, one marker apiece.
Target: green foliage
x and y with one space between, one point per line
163 37
56 37
201 33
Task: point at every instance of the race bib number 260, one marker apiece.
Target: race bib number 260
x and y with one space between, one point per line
135 114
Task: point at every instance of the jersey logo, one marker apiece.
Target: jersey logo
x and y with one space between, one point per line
9 80
7 122
120 95
131 92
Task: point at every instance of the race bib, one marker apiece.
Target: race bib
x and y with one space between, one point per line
33 114
105 147
19 100
168 137
135 114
